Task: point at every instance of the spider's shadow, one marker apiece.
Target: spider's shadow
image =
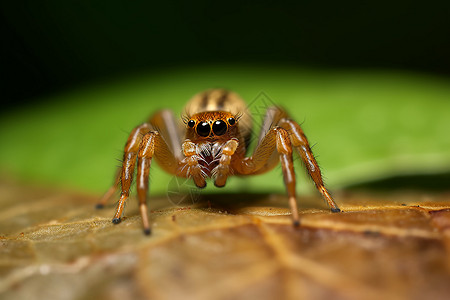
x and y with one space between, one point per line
231 201
236 200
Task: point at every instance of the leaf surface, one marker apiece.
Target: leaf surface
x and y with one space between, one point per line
54 245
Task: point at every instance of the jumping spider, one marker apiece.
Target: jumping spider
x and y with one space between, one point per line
217 134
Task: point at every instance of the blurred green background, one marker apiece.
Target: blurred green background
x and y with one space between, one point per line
369 82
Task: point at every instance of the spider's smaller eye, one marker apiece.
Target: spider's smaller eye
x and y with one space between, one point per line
191 123
231 121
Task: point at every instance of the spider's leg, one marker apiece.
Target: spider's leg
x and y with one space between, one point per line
222 171
128 164
285 149
152 145
300 142
134 137
275 141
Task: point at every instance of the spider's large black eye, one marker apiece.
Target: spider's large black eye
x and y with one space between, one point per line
203 129
191 123
219 127
231 121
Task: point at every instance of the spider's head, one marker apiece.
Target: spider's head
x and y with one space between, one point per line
212 126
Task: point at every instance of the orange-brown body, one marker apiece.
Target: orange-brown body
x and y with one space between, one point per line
217 134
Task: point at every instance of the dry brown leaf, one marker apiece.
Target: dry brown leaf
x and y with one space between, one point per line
55 245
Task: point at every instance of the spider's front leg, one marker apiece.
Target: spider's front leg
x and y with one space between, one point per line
128 161
300 142
276 139
125 174
283 136
151 144
142 145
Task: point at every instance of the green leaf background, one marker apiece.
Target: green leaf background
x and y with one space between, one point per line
364 125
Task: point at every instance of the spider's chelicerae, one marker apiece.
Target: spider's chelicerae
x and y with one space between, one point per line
217 132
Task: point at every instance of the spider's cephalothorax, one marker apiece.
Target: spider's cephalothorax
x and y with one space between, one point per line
217 132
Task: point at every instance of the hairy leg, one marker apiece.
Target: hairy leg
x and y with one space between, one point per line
137 146
131 148
300 142
162 121
275 141
128 164
152 145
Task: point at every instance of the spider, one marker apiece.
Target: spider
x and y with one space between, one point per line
217 130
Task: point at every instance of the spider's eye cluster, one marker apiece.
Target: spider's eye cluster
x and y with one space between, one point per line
218 127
